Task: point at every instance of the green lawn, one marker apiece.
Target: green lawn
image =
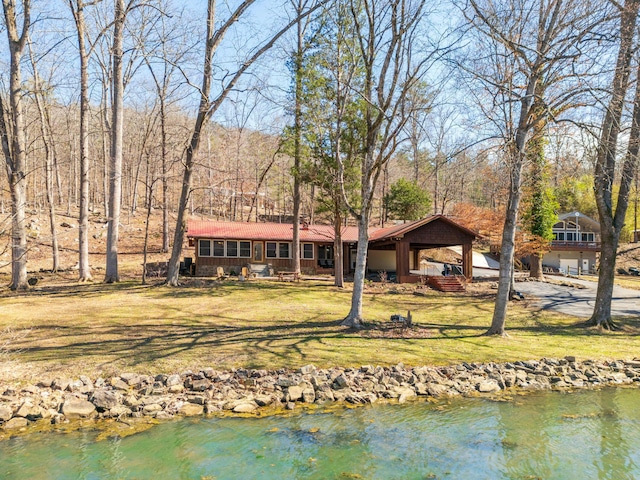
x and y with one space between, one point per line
99 329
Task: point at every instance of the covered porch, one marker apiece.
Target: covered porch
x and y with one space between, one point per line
398 248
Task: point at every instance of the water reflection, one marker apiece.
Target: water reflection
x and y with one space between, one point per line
591 434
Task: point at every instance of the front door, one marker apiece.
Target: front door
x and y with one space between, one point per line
585 265
257 252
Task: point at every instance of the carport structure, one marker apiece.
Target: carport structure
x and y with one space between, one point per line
407 239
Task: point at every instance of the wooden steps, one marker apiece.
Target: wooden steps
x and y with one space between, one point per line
449 283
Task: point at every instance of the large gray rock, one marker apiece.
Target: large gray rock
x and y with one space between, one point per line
264 400
5 413
151 408
174 380
191 409
341 381
106 399
294 393
77 408
246 407
29 410
119 384
16 422
488 386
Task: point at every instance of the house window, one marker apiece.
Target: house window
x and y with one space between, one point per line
325 256
561 236
232 248
277 249
204 248
570 237
218 248
283 250
307 251
245 249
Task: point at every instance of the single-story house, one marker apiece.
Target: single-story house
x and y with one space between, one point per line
575 244
233 245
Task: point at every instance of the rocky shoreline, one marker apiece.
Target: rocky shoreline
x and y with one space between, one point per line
241 391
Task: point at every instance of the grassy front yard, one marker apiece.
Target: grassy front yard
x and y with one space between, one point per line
99 329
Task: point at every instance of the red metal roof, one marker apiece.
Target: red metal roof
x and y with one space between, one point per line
265 231
313 233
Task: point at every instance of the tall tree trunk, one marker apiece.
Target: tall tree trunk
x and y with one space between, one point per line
84 269
173 269
49 155
14 143
354 318
338 252
536 267
611 223
507 248
117 123
297 140
165 179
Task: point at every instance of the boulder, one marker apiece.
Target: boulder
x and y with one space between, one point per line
488 386
308 370
246 407
5 413
264 400
294 393
106 399
174 380
341 382
119 384
16 422
120 411
77 408
308 395
191 409
151 408
30 411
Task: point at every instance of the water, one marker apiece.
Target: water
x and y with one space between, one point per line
584 435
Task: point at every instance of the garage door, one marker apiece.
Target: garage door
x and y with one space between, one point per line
569 265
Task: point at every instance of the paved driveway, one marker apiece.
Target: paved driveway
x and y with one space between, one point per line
580 301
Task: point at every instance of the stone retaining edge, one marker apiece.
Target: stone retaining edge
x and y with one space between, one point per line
245 391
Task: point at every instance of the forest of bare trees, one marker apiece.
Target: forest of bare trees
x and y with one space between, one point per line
275 111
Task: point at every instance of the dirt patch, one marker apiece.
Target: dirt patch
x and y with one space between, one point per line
395 330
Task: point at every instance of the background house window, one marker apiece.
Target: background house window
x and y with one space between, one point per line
278 249
283 250
325 256
218 248
245 249
204 248
307 251
232 248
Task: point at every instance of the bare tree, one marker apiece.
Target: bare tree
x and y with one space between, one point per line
44 116
612 219
386 33
208 106
117 125
525 43
169 58
13 138
77 9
